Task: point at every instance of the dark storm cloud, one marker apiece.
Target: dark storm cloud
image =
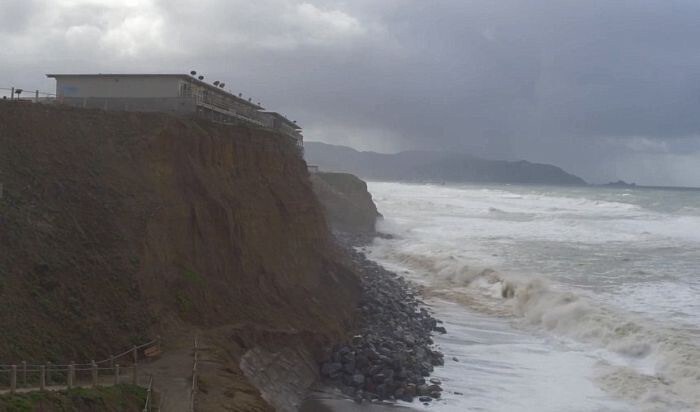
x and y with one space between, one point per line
607 89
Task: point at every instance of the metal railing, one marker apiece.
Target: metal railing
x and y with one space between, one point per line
18 93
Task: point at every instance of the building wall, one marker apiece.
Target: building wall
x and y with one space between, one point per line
118 86
175 105
163 93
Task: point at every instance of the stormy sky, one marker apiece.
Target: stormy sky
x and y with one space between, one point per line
607 89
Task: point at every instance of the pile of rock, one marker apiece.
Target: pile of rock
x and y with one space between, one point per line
393 354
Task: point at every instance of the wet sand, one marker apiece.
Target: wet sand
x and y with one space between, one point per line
326 399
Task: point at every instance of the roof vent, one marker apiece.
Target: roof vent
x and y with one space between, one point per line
201 77
193 73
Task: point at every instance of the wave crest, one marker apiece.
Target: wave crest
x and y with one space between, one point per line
672 380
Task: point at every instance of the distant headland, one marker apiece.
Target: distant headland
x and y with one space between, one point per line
434 166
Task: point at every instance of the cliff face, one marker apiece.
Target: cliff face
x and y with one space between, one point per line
347 203
116 226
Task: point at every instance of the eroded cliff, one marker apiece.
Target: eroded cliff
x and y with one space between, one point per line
118 226
346 202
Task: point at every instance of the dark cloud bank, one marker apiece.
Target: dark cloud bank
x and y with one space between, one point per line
604 89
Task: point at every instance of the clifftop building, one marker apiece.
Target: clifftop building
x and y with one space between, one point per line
180 94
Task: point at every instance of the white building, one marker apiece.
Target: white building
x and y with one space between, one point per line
175 93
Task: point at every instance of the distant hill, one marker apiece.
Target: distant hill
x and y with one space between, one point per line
428 166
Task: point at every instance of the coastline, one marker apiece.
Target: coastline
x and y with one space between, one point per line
392 355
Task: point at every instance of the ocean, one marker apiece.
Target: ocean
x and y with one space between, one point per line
554 298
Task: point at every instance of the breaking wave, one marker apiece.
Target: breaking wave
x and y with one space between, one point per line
656 366
611 276
512 216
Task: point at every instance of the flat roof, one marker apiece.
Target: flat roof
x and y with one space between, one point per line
117 75
183 76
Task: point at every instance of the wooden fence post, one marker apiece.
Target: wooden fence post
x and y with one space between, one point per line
36 98
13 379
116 374
94 373
135 375
42 377
111 361
24 374
48 373
71 375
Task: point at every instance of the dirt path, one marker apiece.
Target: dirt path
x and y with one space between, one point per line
172 376
222 385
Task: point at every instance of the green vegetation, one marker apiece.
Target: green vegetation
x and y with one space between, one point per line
183 302
193 277
120 398
183 297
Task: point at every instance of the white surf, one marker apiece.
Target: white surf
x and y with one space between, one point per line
554 299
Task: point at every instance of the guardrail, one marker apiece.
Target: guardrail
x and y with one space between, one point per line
49 376
229 113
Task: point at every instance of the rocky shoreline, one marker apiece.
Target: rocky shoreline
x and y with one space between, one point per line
392 355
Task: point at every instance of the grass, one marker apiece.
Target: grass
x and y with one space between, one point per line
109 399
183 302
193 277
